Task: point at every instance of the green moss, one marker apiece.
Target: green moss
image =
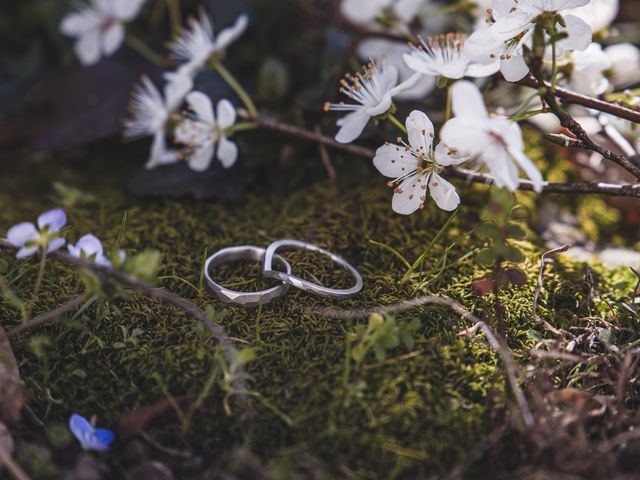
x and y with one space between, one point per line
419 413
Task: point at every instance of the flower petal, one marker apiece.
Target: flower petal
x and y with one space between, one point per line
227 152
78 23
231 34
90 245
159 154
21 233
53 219
514 68
467 101
529 168
201 104
201 157
558 5
55 244
409 195
394 161
88 47
579 31
112 39
478 70
26 252
445 155
226 114
444 193
351 126
420 132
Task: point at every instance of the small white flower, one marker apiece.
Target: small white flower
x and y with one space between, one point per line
45 237
599 14
444 56
392 52
625 64
197 44
151 112
373 90
513 28
587 71
415 168
205 129
495 141
98 27
89 248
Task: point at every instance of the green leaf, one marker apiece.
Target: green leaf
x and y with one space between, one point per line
486 256
486 230
245 356
145 265
516 232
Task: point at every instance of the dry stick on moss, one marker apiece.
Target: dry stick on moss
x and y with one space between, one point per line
596 188
494 340
536 294
158 295
50 316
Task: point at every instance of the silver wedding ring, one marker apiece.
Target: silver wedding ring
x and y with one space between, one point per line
275 267
244 253
297 282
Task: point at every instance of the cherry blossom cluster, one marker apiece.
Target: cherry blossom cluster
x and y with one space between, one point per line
507 35
196 134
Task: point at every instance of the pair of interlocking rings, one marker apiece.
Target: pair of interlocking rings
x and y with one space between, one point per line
276 267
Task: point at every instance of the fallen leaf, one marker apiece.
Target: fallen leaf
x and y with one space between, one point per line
133 422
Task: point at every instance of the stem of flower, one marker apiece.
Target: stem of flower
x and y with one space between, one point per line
397 123
241 127
448 112
554 65
43 263
145 50
235 85
175 16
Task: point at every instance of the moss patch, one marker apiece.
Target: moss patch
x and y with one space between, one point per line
421 411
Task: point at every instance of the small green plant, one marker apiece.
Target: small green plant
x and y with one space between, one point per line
380 335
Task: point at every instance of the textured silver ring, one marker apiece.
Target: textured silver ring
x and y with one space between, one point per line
286 277
245 253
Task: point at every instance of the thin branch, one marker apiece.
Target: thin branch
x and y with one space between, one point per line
494 340
304 134
588 102
598 188
158 295
50 316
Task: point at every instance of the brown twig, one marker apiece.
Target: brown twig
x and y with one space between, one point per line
326 160
156 294
536 294
585 101
494 340
595 188
49 316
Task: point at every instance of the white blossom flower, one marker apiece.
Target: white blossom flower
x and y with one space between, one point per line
587 71
197 43
373 90
625 64
89 248
599 14
494 141
205 129
392 52
98 27
396 14
444 56
46 237
151 112
415 168
513 28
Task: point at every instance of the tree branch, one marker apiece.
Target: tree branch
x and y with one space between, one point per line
588 102
463 174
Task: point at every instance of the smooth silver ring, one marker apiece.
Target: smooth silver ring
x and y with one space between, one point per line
244 253
297 282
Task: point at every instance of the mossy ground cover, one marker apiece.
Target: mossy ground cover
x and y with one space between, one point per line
421 409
